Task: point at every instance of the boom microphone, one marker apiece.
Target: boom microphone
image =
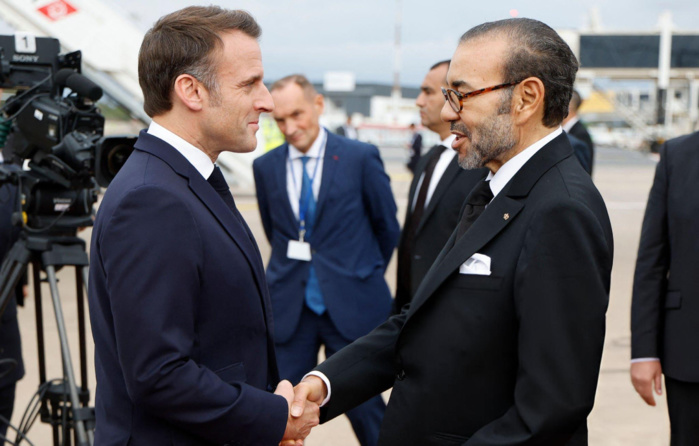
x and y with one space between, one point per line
66 77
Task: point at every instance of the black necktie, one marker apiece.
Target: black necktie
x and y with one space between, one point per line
476 202
419 209
219 184
411 225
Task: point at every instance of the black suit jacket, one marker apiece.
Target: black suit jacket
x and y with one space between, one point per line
506 359
580 132
436 225
11 364
415 151
665 308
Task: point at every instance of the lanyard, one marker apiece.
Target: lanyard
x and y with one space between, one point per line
306 199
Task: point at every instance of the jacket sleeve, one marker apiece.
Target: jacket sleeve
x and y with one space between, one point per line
363 369
652 266
379 203
153 283
561 293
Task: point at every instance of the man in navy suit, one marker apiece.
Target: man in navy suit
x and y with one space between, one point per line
179 307
329 214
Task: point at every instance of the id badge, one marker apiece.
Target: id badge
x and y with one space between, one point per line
298 250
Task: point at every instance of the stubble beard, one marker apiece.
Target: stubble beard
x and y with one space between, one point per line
494 138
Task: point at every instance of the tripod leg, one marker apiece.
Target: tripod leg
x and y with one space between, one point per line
79 277
65 350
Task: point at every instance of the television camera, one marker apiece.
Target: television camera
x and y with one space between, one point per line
53 127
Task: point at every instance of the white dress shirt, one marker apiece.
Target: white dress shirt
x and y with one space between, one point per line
195 156
508 170
314 167
444 159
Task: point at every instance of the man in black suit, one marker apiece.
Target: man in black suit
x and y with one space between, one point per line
437 193
415 148
664 312
503 340
575 127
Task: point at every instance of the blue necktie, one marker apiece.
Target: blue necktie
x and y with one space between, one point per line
307 202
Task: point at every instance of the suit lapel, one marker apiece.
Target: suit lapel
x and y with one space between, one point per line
442 187
484 229
210 198
331 160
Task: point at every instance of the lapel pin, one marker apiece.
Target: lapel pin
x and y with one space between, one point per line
506 216
335 157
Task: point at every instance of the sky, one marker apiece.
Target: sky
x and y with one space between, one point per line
316 36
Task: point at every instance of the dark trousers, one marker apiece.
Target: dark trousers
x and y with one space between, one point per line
7 402
683 406
300 355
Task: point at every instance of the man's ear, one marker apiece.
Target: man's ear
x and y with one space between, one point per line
529 100
319 104
189 92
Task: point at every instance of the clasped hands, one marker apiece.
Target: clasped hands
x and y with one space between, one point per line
304 408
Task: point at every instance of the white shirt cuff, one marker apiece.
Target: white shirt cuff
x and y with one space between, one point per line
325 380
633 361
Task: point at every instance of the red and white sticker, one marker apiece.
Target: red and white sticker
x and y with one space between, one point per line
57 10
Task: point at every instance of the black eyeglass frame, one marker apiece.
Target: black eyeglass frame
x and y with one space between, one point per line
461 97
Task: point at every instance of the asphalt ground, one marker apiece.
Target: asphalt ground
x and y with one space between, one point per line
619 418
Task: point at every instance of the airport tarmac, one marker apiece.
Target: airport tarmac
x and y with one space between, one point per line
619 418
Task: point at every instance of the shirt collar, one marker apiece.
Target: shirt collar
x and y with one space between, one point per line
195 156
512 166
314 151
569 125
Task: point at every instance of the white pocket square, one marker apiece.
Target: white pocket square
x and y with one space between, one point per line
478 264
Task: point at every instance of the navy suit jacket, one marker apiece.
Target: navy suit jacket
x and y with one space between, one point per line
353 238
180 312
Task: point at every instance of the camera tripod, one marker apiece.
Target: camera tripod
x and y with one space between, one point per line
63 404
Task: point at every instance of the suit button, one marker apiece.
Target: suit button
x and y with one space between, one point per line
400 376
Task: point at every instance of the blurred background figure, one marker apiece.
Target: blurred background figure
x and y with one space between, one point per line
347 129
415 147
575 127
665 304
437 192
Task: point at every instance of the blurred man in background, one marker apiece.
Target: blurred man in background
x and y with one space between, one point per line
437 192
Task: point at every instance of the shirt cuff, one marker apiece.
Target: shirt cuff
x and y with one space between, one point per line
635 360
325 380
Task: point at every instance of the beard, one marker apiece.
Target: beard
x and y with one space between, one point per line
494 137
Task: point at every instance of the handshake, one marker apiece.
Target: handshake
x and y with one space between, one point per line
304 408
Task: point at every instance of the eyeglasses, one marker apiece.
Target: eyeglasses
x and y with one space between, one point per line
456 99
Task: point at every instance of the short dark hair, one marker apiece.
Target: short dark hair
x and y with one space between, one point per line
299 79
575 101
440 63
538 51
184 42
